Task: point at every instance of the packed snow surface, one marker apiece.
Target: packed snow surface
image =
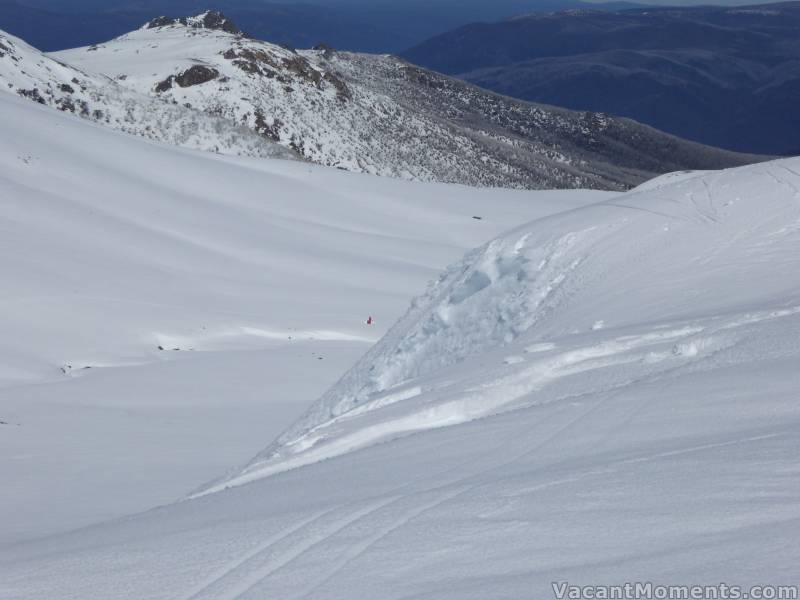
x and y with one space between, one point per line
164 313
604 395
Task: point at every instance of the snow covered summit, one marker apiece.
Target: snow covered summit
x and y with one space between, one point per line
382 115
27 72
209 19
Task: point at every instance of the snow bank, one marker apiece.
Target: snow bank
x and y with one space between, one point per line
643 283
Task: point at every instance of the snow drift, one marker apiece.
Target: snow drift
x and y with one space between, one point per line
628 289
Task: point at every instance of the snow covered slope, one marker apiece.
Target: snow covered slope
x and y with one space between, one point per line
155 299
29 73
633 288
602 396
378 114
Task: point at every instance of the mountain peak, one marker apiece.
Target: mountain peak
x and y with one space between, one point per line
210 19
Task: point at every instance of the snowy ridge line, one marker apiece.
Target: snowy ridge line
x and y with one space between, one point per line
663 350
27 72
382 115
524 291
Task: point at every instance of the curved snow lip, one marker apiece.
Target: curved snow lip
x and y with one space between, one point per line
632 289
238 336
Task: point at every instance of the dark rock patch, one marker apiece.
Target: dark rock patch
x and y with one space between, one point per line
163 86
195 75
162 22
216 20
32 94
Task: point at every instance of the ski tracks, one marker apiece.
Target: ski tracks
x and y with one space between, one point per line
322 544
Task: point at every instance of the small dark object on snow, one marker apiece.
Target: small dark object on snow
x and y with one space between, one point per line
477 218
161 347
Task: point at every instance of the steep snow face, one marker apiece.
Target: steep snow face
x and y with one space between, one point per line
678 275
380 115
29 73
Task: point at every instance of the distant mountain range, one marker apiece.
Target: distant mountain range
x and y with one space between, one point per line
199 82
729 77
358 25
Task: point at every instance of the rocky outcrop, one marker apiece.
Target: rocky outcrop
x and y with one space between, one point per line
285 69
208 20
196 75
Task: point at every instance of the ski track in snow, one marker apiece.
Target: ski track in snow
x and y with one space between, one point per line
368 521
